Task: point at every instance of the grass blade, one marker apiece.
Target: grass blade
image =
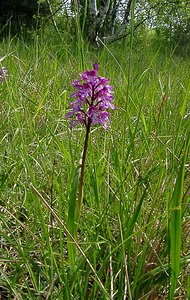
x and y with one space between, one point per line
175 225
135 215
72 212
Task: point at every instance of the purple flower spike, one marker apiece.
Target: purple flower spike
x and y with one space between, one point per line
94 96
3 74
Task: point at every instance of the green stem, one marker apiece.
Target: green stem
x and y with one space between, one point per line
80 195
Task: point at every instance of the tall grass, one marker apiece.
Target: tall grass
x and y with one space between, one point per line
133 237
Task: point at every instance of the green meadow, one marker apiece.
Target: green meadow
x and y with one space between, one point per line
133 237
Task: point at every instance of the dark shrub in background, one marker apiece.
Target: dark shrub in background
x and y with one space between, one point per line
19 15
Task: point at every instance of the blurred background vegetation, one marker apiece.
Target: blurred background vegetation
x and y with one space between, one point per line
100 21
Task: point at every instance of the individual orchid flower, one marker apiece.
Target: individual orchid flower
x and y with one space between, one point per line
3 74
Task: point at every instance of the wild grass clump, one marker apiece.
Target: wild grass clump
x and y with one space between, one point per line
133 233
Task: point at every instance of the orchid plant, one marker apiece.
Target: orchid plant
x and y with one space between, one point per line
91 101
